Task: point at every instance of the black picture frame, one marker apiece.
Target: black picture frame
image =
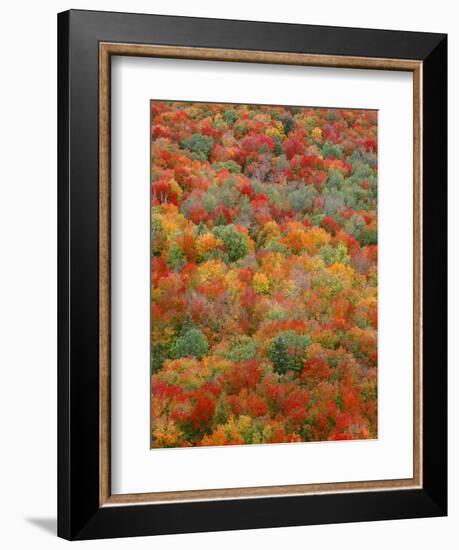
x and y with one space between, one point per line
80 515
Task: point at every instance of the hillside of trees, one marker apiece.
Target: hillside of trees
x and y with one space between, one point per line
263 274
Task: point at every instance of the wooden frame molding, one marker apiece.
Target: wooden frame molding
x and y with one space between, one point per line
106 51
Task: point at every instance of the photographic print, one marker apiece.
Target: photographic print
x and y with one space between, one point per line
264 280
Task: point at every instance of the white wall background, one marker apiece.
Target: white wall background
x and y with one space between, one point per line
28 271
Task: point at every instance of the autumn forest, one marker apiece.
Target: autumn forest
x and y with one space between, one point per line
263 274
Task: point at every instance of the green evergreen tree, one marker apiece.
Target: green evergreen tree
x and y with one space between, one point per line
201 229
192 344
199 145
176 259
279 355
288 124
230 117
242 349
187 324
235 242
158 356
220 220
288 351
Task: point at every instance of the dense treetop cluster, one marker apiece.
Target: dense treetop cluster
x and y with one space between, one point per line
263 274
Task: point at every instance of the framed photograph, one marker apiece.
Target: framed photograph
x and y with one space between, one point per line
252 275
